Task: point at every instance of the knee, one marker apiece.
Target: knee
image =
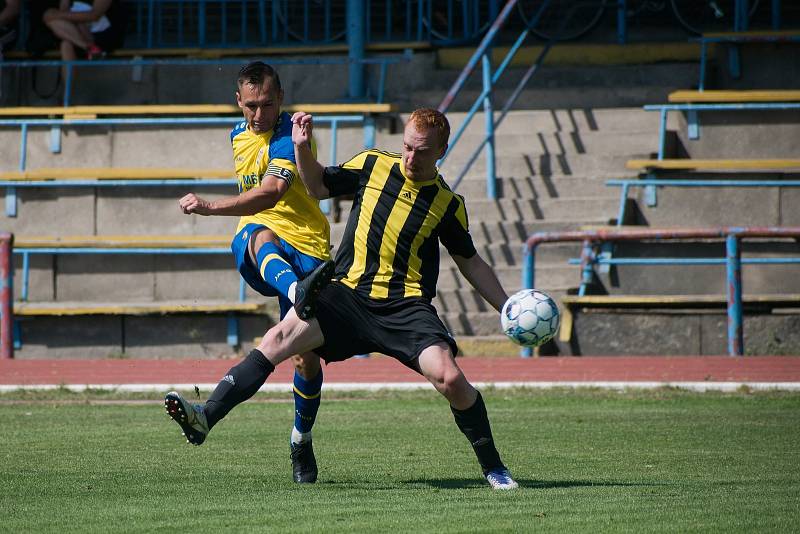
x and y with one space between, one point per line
49 16
264 236
450 382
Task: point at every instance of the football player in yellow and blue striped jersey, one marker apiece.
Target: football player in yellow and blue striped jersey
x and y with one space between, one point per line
282 242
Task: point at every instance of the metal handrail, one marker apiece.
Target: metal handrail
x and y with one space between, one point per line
69 65
6 297
7 342
733 260
704 41
485 98
56 124
157 24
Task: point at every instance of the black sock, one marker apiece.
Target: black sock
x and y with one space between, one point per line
474 423
241 383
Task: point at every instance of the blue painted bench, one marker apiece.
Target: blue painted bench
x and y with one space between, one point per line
130 245
692 102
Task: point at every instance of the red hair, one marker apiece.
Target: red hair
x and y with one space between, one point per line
427 118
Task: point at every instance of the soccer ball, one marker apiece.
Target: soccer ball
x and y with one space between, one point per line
530 318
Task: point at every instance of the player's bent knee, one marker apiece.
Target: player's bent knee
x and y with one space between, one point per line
449 381
259 238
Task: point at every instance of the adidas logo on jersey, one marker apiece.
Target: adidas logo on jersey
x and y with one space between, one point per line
407 194
229 379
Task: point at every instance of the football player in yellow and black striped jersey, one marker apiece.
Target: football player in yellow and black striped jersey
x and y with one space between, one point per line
386 269
281 244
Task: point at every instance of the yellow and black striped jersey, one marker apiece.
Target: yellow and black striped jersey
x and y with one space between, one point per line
390 247
296 217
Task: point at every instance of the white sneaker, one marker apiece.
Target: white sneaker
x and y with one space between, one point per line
500 479
190 417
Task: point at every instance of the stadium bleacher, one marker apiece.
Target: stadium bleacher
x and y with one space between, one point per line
552 168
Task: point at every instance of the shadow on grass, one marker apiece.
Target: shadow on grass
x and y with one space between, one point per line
463 483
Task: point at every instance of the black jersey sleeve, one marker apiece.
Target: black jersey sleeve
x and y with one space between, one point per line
347 178
454 229
341 181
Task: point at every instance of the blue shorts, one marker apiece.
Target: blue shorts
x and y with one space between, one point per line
302 264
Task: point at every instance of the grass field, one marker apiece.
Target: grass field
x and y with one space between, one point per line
664 461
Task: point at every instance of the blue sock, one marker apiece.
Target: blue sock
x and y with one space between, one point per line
306 401
274 269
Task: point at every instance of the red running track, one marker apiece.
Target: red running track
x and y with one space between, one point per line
379 369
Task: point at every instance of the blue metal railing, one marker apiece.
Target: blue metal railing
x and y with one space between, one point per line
483 54
26 252
693 125
24 124
650 185
157 24
69 66
734 62
232 318
160 24
733 260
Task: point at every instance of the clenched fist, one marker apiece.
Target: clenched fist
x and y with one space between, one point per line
191 203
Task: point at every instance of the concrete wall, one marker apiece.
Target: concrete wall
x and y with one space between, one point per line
650 333
720 206
175 336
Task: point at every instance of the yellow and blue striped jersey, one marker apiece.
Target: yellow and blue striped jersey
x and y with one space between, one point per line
296 217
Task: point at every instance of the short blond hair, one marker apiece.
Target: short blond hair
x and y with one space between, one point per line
427 118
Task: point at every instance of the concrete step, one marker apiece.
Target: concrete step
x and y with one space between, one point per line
576 209
504 231
485 231
470 301
538 187
583 120
472 324
558 277
531 141
547 165
511 254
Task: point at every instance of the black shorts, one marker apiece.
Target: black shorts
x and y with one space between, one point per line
400 328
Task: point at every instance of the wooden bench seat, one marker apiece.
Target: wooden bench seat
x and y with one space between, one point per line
114 173
232 310
61 309
84 112
247 52
754 35
123 241
713 164
760 95
571 303
27 246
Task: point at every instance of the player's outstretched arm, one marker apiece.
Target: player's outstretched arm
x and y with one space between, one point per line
307 165
481 276
254 201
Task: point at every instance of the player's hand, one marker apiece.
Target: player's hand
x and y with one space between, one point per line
302 126
191 203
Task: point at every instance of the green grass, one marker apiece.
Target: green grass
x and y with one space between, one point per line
665 461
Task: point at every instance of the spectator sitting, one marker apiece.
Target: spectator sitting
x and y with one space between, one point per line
8 23
89 27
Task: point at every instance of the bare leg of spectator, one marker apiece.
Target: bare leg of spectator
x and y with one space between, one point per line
68 31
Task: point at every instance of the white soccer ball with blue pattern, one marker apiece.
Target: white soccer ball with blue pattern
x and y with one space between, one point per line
530 318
